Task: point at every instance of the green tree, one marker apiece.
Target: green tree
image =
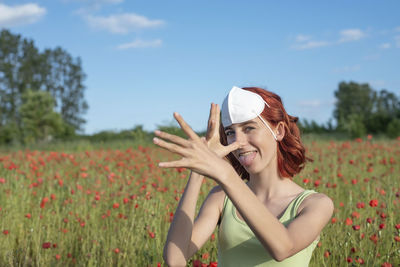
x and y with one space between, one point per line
360 109
65 82
39 120
23 67
386 109
355 126
393 128
18 58
353 99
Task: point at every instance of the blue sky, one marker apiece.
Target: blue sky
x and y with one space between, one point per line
146 59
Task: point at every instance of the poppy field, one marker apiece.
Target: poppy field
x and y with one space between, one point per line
113 207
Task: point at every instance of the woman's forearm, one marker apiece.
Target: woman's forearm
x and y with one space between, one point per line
270 232
180 231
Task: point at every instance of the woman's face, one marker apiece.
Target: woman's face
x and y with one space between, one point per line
258 147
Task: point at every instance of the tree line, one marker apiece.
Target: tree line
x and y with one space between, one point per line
360 110
41 92
42 98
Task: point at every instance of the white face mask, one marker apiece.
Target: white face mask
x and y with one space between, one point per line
242 105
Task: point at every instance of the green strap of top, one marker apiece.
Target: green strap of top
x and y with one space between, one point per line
238 246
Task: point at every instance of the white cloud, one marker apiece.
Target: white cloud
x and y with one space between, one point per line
303 42
377 83
122 23
302 38
397 40
351 35
310 103
96 2
18 15
372 57
111 1
138 43
397 29
385 46
318 110
310 44
90 6
347 69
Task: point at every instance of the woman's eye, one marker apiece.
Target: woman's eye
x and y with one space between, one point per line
248 129
228 133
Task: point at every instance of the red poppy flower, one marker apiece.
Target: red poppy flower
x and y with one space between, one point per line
152 234
373 203
360 205
46 245
374 238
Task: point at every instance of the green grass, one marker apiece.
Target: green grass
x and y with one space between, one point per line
87 231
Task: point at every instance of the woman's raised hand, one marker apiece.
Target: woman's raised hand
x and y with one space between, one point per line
212 136
196 154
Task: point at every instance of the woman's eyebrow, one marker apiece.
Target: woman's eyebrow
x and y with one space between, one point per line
241 125
247 123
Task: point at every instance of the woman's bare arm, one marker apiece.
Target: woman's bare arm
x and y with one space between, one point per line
185 236
279 241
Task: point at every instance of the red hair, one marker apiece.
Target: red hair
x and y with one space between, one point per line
290 150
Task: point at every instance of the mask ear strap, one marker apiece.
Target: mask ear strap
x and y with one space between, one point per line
266 124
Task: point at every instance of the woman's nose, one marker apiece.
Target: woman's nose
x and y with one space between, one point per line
240 138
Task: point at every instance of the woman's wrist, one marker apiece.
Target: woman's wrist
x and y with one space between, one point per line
227 172
196 178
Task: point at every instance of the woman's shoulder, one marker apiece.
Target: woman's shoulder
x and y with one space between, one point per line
217 196
318 201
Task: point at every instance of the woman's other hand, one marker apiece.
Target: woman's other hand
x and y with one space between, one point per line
196 154
212 137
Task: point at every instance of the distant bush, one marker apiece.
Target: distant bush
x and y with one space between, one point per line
393 128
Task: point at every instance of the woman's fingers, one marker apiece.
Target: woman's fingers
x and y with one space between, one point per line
173 138
213 122
230 148
169 146
173 164
210 124
217 114
185 127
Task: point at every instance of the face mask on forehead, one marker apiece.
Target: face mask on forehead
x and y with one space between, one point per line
242 105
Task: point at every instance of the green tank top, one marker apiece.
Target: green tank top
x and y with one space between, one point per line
238 246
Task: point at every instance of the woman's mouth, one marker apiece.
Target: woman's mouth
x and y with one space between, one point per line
246 158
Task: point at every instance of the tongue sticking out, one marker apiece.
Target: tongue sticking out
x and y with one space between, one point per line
247 158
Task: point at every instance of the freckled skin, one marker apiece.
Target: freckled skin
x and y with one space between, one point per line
254 135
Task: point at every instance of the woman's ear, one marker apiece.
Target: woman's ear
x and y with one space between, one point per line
280 131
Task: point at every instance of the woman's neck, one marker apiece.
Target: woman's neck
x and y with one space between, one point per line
268 184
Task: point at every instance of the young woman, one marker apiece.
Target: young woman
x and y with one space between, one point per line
264 218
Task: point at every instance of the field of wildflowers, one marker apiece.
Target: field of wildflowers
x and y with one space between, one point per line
113 207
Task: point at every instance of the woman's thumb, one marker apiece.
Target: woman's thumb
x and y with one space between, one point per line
231 147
